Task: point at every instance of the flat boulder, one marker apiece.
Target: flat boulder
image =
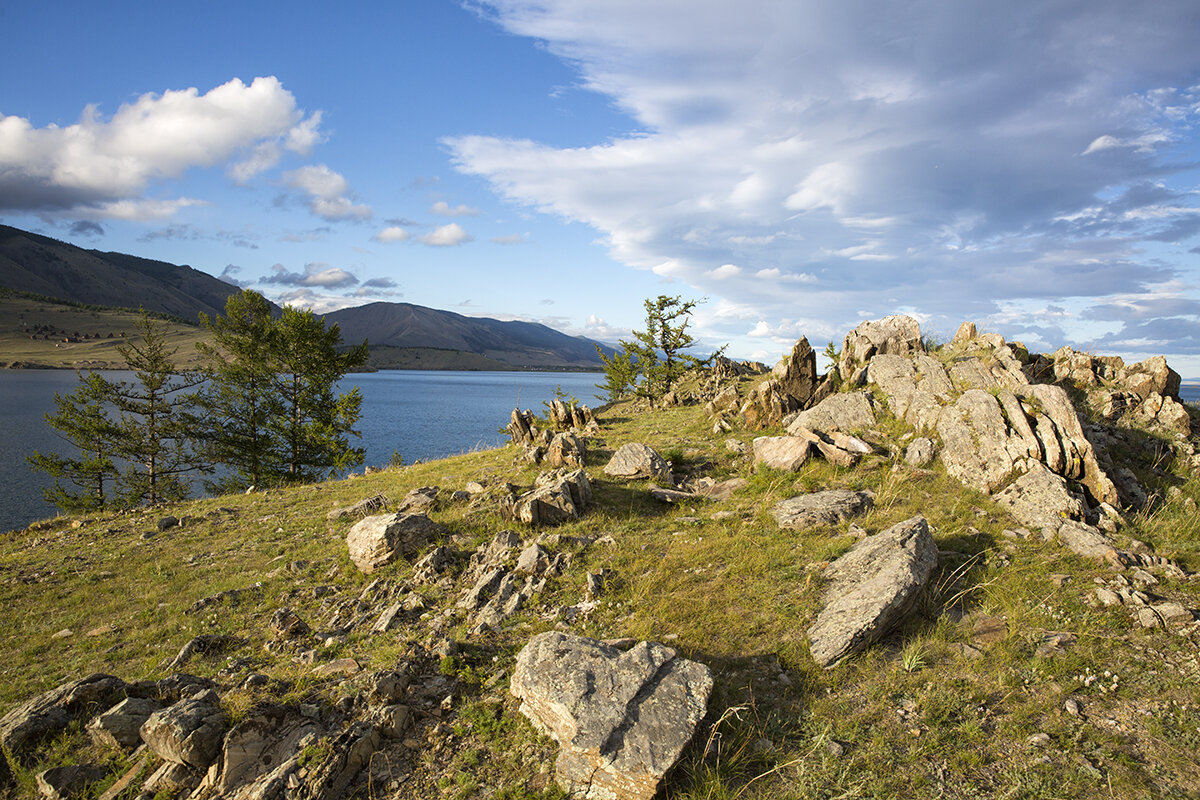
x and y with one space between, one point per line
622 719
118 727
844 412
871 588
1041 499
380 540
635 460
782 452
821 508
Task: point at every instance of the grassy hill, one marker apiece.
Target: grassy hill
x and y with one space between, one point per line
1008 680
36 333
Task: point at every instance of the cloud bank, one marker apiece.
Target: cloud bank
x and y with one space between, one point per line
812 163
102 167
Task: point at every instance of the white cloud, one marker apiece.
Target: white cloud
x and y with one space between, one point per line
446 236
444 209
392 233
316 273
93 166
307 299
726 271
329 195
848 157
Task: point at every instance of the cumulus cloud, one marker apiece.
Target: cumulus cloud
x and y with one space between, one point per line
87 228
101 167
307 299
316 273
850 157
392 233
442 208
328 193
446 236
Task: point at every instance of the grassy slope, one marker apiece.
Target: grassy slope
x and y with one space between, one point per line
15 345
917 715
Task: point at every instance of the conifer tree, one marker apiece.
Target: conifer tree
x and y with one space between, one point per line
238 400
154 420
81 483
658 350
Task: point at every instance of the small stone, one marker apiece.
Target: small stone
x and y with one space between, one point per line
835 749
1038 740
1071 706
166 523
341 666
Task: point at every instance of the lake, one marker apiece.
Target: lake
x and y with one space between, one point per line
421 415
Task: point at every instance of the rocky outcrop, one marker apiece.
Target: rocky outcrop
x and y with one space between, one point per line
51 712
377 541
844 412
821 508
895 335
794 386
635 460
119 726
566 450
621 719
871 588
557 496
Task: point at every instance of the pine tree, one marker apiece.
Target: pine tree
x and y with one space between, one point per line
154 420
658 349
82 419
620 372
316 424
238 400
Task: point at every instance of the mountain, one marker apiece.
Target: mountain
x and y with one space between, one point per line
45 266
519 344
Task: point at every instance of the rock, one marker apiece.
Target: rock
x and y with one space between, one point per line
387 618
621 718
671 495
894 335
256 752
118 727
168 522
871 588
286 624
1164 413
521 428
49 713
821 508
377 541
915 395
432 565
169 780
339 666
534 560
203 644
845 412
348 753
419 500
978 450
1153 376
1038 740
188 732
566 450
360 509
59 783
839 449
921 451
634 460
557 497
723 490
782 452
965 332
1041 499
1085 540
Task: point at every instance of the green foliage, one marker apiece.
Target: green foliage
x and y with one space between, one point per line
620 373
654 361
155 420
82 419
270 404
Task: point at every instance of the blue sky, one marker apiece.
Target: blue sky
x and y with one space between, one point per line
1031 166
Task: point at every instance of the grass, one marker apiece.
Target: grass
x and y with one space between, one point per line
929 711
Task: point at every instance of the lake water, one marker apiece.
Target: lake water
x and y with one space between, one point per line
421 415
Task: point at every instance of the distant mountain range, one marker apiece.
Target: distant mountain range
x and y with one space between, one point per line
406 335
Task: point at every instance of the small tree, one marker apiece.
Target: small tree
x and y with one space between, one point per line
658 350
315 423
239 401
154 420
620 373
81 419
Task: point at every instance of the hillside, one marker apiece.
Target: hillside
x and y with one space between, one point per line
518 344
1042 651
45 266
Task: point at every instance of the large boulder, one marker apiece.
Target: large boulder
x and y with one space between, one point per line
871 588
566 450
61 783
377 541
635 460
1041 499
895 335
821 508
621 719
257 746
118 727
844 412
51 712
557 496
188 732
782 452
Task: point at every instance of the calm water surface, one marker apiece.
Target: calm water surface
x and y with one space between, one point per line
421 415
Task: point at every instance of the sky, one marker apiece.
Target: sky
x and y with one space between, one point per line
799 166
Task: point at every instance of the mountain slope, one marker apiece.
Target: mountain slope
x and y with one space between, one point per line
45 266
521 344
